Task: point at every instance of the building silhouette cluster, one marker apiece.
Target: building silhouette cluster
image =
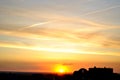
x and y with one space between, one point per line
82 74
95 74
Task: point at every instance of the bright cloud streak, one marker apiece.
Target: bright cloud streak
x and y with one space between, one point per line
11 45
35 25
66 49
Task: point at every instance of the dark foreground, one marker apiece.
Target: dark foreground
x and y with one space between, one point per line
82 74
33 76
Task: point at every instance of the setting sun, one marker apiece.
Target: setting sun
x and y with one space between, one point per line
61 69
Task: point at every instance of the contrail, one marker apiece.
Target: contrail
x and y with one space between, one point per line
34 25
102 10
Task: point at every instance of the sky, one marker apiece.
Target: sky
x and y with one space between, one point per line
38 35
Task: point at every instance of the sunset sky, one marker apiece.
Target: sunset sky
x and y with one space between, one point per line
39 35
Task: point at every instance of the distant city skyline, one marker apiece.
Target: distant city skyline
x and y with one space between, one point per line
39 35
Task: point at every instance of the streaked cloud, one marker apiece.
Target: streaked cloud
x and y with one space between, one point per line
55 17
102 10
37 24
53 41
64 31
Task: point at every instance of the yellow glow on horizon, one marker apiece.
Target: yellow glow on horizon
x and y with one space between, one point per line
61 69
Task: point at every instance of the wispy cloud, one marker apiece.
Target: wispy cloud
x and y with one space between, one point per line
65 33
102 10
53 18
53 41
38 48
36 24
48 49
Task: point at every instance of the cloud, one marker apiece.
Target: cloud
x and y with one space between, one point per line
33 47
68 43
60 33
13 44
48 16
102 10
35 25
111 44
73 39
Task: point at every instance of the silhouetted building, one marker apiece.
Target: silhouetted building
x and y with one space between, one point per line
94 74
100 73
81 74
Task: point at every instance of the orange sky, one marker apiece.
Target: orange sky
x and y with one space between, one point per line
37 35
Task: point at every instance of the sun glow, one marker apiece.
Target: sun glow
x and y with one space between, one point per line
61 69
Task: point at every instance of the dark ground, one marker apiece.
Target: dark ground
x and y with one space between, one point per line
77 75
33 76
